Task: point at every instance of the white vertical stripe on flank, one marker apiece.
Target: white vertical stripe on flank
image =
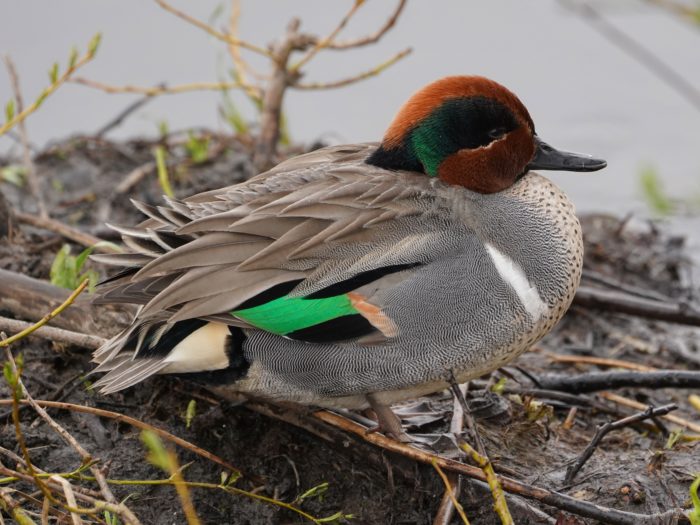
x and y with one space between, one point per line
513 274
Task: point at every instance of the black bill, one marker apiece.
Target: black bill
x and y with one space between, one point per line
548 158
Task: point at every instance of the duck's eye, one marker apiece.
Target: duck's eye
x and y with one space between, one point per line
497 133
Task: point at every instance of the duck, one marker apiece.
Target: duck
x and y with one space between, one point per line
360 275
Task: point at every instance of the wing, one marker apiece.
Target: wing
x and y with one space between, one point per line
304 251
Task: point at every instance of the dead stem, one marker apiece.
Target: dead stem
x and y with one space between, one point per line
72 297
450 492
72 234
59 335
138 424
374 37
356 78
29 167
555 499
603 430
599 361
323 42
229 39
157 90
621 400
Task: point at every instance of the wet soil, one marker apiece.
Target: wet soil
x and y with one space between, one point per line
632 469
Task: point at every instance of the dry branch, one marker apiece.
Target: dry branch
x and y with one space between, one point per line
608 427
597 381
46 318
72 234
54 334
30 169
29 298
555 499
160 89
612 301
116 416
374 37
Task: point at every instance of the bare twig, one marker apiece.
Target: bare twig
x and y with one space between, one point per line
58 82
600 361
374 37
85 456
70 497
603 430
610 300
638 52
240 66
443 516
46 318
60 335
596 381
323 42
98 505
229 39
621 400
555 499
73 234
499 500
24 139
468 418
355 78
160 89
135 423
134 177
449 502
122 116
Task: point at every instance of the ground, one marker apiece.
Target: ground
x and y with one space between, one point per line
527 438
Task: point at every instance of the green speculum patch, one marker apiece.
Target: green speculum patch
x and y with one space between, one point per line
288 314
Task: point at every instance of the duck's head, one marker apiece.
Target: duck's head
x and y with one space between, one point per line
473 132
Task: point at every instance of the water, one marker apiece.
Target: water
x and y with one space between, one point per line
584 93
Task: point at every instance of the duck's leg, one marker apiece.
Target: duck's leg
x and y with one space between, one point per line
387 421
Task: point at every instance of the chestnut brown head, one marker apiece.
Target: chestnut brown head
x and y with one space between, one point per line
473 132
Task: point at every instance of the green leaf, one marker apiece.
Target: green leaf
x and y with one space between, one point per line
40 100
229 112
314 492
62 271
338 517
694 515
9 374
654 193
73 57
10 109
285 136
190 412
163 129
163 177
53 73
215 15
94 44
157 454
14 174
673 438
197 148
499 386
82 258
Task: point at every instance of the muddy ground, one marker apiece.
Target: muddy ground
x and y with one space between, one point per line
632 470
